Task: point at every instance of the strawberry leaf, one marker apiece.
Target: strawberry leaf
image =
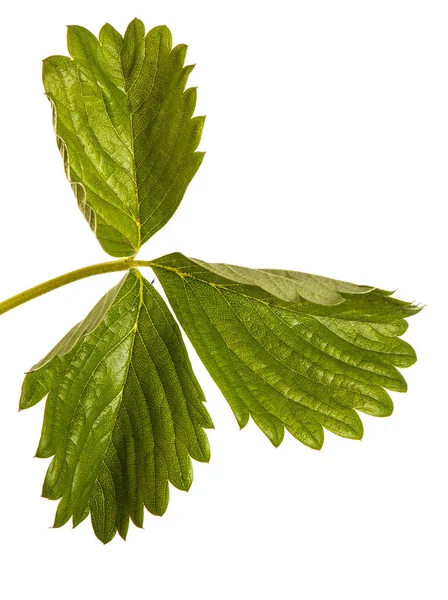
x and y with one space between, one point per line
124 412
291 350
124 126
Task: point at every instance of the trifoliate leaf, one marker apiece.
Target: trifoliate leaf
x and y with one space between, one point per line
124 412
124 126
291 350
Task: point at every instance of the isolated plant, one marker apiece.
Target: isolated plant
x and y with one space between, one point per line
124 411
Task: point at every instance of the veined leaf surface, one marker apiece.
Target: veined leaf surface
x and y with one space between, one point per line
304 365
124 126
124 412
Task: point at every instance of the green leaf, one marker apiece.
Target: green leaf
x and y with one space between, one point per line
291 350
124 126
124 412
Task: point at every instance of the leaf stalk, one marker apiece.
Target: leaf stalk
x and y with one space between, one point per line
52 284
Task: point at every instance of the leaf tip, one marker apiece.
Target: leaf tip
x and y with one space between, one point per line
318 446
276 442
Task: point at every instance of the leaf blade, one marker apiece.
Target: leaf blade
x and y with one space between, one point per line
125 128
124 413
311 365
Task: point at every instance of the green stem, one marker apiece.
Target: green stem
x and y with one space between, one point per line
106 267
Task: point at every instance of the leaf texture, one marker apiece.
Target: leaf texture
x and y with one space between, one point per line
304 365
124 412
124 126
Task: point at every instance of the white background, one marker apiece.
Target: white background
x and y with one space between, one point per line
327 152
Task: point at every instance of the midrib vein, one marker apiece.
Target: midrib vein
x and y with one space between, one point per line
134 170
